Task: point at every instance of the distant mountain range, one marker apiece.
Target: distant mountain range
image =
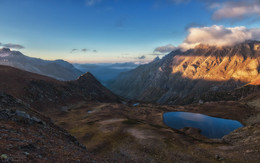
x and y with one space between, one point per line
187 76
58 69
106 72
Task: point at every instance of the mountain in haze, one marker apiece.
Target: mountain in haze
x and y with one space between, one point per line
191 74
43 92
106 72
58 69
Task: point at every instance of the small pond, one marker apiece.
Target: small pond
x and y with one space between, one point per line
210 127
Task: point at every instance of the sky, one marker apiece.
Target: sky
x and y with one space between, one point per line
105 31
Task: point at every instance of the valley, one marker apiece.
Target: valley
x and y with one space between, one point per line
124 132
82 120
130 81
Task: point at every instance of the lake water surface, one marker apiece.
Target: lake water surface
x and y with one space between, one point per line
210 127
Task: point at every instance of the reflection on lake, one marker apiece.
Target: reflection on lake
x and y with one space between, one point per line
210 127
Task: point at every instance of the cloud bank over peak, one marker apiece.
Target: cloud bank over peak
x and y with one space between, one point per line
165 49
219 36
12 46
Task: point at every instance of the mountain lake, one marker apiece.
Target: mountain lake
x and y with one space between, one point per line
210 127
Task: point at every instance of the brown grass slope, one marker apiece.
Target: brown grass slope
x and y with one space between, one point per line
43 92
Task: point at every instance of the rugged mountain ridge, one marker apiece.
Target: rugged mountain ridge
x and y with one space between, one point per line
58 69
119 132
191 73
42 92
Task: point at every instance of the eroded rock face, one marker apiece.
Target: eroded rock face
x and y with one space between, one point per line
191 73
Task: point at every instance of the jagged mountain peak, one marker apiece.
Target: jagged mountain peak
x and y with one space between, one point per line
191 73
156 59
5 50
11 52
87 76
88 79
246 49
248 44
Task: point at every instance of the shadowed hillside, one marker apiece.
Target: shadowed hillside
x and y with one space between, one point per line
29 136
44 92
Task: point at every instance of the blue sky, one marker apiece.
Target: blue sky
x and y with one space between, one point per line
94 31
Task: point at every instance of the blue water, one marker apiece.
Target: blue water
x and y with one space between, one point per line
210 127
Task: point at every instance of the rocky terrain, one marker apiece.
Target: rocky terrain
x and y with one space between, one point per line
27 136
58 69
114 132
191 74
44 93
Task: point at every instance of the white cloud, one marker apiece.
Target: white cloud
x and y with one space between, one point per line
165 49
229 9
219 36
237 10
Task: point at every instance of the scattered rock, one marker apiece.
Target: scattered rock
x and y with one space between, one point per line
136 104
191 131
22 114
4 157
201 101
217 157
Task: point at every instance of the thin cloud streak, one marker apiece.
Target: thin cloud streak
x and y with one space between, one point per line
12 46
142 57
84 50
165 49
73 50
